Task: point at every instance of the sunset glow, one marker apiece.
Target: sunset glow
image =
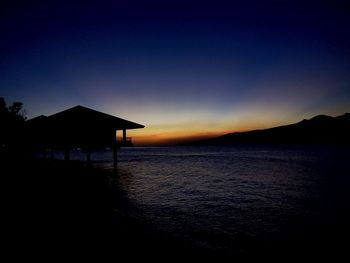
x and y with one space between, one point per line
183 70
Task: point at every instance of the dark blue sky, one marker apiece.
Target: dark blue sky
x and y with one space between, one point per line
179 67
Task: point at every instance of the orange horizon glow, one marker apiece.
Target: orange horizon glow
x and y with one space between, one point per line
162 133
151 135
171 125
172 138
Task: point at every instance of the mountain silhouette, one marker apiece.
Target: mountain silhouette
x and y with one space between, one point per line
317 130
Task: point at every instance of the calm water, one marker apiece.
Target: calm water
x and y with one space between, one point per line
232 198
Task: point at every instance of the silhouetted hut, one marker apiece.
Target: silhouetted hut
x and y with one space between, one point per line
79 127
37 133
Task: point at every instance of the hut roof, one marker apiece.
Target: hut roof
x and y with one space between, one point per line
85 117
77 127
37 120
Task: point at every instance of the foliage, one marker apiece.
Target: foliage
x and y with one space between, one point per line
12 120
14 111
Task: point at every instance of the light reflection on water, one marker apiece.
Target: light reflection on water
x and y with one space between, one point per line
218 196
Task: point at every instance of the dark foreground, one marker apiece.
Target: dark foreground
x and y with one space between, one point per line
58 209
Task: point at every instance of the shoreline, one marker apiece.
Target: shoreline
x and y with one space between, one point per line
64 208
58 208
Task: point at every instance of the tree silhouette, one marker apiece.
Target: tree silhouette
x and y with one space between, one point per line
12 126
3 108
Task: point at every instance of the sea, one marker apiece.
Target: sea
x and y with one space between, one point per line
238 198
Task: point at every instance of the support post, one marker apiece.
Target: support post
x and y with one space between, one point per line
115 156
52 156
124 137
66 154
115 150
88 155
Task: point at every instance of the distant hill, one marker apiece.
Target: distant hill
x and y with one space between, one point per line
319 129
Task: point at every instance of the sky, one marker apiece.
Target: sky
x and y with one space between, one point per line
184 69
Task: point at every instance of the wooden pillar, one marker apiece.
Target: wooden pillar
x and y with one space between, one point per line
115 156
124 136
115 149
88 155
66 154
52 156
